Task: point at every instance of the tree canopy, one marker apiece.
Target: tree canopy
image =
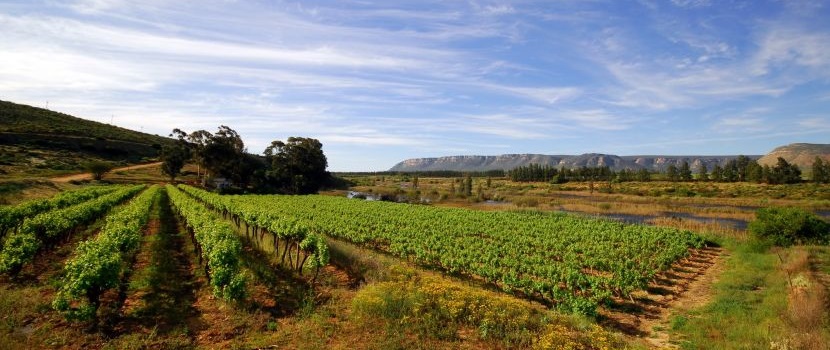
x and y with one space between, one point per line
296 166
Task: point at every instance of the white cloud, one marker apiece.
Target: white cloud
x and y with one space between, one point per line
436 76
501 9
816 123
95 6
548 95
739 122
371 140
782 48
692 3
597 119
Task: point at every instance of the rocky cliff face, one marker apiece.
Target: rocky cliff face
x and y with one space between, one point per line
510 161
801 154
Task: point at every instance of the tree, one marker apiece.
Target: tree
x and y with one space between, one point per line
98 169
730 171
643 175
702 172
821 171
671 173
297 166
198 140
173 159
468 186
785 173
717 173
766 174
754 172
742 164
685 172
222 152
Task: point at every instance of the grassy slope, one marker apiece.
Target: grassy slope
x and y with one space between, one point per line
40 142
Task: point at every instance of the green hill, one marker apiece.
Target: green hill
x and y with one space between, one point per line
39 142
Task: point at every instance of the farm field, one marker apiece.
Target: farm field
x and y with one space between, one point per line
409 175
452 272
725 208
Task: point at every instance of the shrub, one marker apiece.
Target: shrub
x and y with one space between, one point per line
437 308
98 169
787 226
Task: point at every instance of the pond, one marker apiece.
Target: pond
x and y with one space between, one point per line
643 219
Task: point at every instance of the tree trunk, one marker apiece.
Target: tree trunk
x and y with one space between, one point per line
316 272
284 252
93 296
300 268
298 256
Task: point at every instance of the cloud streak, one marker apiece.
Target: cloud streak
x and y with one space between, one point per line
380 81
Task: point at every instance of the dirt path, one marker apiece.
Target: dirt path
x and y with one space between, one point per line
164 294
88 176
686 285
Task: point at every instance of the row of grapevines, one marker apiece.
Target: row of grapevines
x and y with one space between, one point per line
99 264
12 216
574 262
293 234
216 241
21 246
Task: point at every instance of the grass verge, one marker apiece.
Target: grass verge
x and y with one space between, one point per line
758 303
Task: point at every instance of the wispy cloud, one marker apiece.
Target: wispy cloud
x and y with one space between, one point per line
785 49
379 80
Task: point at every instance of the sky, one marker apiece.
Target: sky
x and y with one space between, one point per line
379 82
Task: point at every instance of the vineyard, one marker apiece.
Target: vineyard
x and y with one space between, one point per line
573 263
45 229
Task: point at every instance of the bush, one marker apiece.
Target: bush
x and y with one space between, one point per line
98 169
787 226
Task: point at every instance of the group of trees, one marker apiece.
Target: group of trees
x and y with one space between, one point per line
740 169
297 166
744 169
548 173
821 171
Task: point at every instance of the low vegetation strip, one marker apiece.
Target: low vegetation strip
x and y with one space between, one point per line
216 242
21 246
11 217
442 308
572 262
99 264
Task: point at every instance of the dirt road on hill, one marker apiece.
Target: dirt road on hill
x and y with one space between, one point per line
88 176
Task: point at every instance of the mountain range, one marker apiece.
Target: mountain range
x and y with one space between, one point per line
801 154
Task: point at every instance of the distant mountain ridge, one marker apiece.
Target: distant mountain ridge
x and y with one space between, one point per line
801 154
510 161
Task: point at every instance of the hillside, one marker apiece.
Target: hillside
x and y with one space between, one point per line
510 161
801 154
37 141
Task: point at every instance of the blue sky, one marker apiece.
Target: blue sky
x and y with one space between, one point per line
378 82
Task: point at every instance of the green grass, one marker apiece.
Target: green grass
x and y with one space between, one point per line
745 312
20 118
40 142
